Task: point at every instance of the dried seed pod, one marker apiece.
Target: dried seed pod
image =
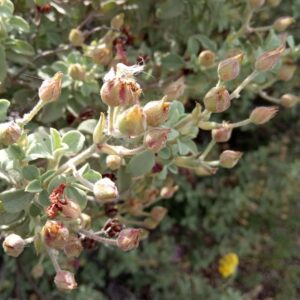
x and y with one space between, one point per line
10 132
50 89
229 68
228 158
263 114
206 58
217 100
155 139
64 280
129 239
268 60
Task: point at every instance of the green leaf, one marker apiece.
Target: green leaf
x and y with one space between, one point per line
141 164
34 186
19 23
75 141
6 8
89 174
16 152
4 105
206 42
30 173
170 9
43 199
47 175
39 146
124 180
3 65
20 47
76 195
56 181
55 139
88 126
172 62
16 201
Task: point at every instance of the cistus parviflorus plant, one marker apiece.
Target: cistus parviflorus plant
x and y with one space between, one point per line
101 182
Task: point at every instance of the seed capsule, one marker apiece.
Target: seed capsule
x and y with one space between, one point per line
101 54
262 114
13 245
50 89
286 71
217 100
222 135
114 162
129 239
76 37
73 247
132 121
77 72
64 280
55 234
229 68
206 58
175 90
228 158
105 190
157 112
156 139
10 133
289 100
269 59
281 24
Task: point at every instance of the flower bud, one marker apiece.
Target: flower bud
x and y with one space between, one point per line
10 133
281 24
269 59
229 68
129 239
157 112
71 210
155 139
175 90
50 89
105 190
13 245
263 114
286 71
77 72
217 100
158 213
256 3
86 221
37 271
132 121
64 280
73 247
98 134
228 158
221 135
117 21
76 37
289 100
206 58
120 91
168 191
114 162
101 54
273 3
55 234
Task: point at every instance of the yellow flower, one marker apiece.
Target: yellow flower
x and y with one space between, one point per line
228 264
